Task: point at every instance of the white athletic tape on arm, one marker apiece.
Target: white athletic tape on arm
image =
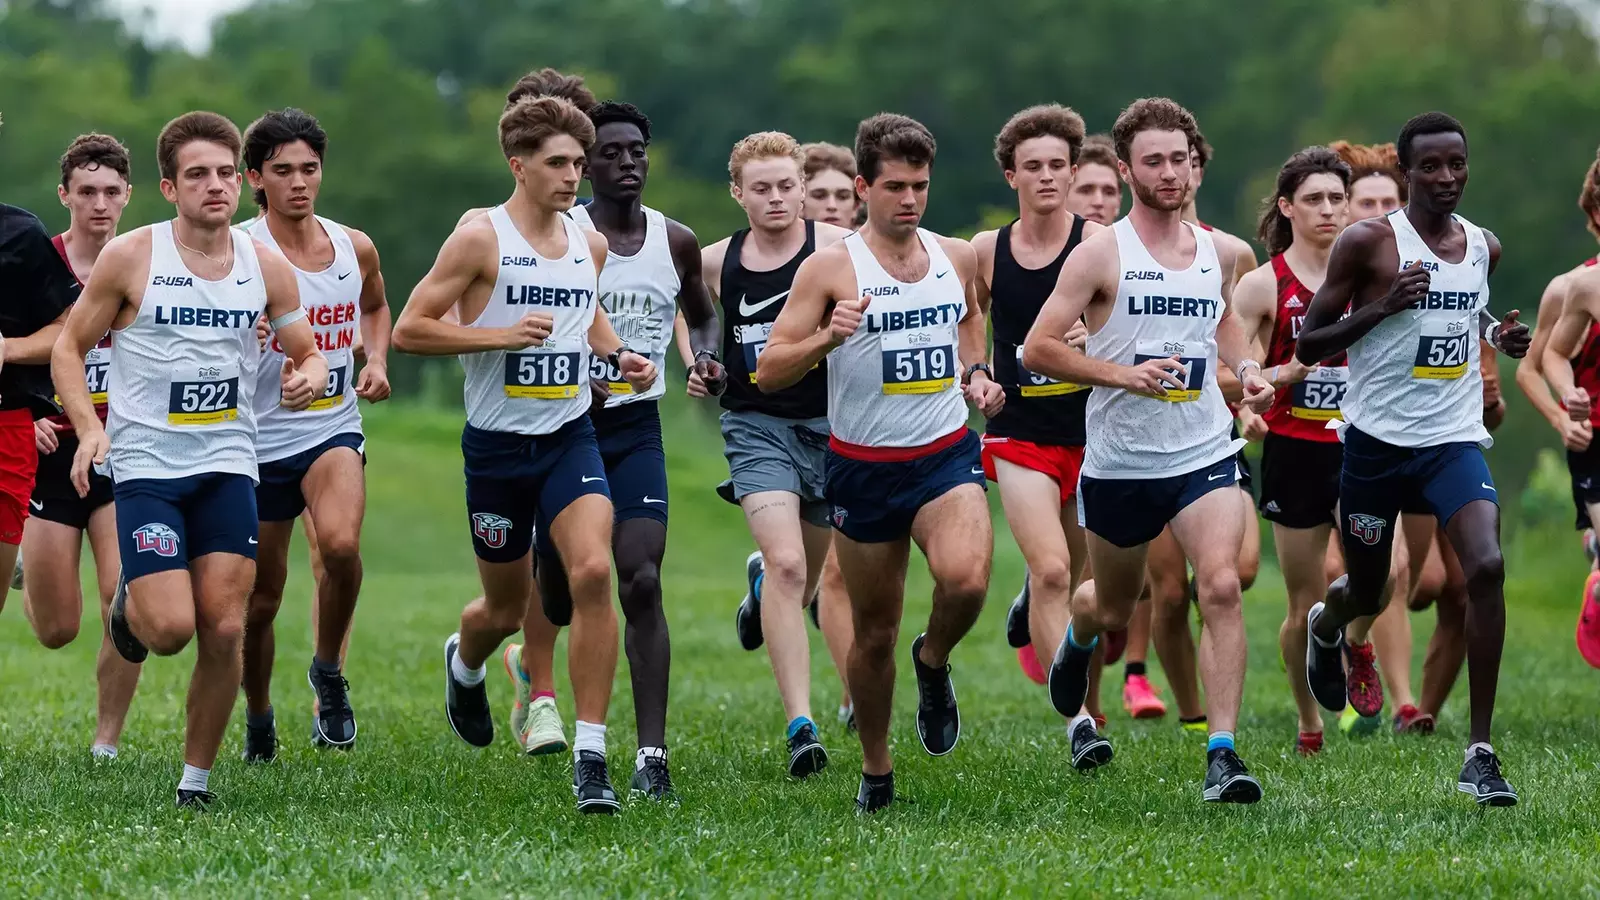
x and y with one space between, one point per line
288 318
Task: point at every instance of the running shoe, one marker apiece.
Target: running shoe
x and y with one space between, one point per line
652 780
536 724
1309 743
335 722
260 744
199 801
128 646
1017 634
592 785
1028 659
1481 778
1353 724
1140 700
1362 683
938 718
747 620
1069 676
1089 749
1588 634
1227 779
1324 665
466 706
875 794
806 754
1410 720
1200 726
511 658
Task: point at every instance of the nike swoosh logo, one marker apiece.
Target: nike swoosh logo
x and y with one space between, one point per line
36 504
1215 477
649 499
580 259
942 274
977 471
1203 271
589 478
242 281
1490 487
251 540
344 276
747 308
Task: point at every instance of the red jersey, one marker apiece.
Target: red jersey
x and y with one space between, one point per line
1301 410
96 364
1586 364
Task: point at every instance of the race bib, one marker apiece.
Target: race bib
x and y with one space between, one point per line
97 372
1193 382
1319 397
601 368
752 340
542 375
919 362
1032 384
203 395
1442 350
339 364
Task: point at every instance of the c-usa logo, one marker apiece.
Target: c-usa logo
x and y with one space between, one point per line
1369 529
491 529
156 538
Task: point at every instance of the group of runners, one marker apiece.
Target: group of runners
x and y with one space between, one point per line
186 391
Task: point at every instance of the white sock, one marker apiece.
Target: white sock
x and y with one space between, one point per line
464 676
647 752
1474 748
103 751
1080 717
589 736
193 779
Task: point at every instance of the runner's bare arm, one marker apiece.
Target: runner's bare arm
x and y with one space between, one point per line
1577 313
1511 337
696 307
1240 376
1530 374
420 330
377 323
88 320
34 349
803 334
1327 332
983 244
305 369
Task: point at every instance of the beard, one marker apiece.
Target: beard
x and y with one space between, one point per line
1148 195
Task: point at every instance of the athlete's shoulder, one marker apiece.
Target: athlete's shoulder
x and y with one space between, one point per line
827 234
472 214
1257 290
1260 277
1367 234
682 242
832 259
1583 283
1090 229
712 255
984 242
598 245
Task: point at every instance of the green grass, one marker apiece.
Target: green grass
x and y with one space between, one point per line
414 812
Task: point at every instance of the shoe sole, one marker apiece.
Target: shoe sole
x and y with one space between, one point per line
597 806
1493 798
1093 756
1311 651
546 749
1422 725
1148 712
322 736
808 761
746 612
448 682
1240 789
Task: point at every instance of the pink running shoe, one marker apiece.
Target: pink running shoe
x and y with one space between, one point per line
1589 622
1140 700
1362 684
1029 661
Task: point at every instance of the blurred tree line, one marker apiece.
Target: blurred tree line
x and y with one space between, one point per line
409 93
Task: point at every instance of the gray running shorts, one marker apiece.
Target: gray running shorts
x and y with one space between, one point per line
767 453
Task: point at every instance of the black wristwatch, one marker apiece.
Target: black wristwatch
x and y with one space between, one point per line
615 356
977 367
706 354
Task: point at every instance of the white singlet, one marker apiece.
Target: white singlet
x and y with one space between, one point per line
639 294
896 382
1414 378
332 300
183 372
538 389
1160 313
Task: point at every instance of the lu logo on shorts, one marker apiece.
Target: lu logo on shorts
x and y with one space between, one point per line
491 529
156 538
1369 529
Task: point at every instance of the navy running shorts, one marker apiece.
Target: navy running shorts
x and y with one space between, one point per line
1380 480
167 523
876 502
1130 512
517 483
629 437
278 494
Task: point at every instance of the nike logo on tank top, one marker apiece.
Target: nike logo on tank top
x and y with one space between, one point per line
639 294
896 382
535 390
1160 313
751 302
183 372
1414 378
332 300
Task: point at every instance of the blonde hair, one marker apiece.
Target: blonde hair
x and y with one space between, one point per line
763 145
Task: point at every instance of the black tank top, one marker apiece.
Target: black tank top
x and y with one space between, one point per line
750 303
1037 409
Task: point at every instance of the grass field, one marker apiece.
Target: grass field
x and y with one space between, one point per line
414 812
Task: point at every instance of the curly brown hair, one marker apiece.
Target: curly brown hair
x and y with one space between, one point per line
547 82
1098 150
1589 197
1153 114
821 156
1052 120
533 120
94 151
888 136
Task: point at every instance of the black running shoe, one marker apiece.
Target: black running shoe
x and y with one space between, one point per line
1069 678
199 801
1481 778
467 708
653 781
260 744
1017 633
938 719
807 756
591 785
876 792
335 724
1324 666
128 646
1228 781
1090 750
747 621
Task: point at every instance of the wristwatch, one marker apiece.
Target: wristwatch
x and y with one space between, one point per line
977 367
615 356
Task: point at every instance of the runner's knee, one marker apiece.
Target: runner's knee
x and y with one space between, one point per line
784 568
1049 578
1218 590
640 589
1485 575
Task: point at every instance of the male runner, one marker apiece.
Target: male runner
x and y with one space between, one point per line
1413 408
312 460
775 441
94 189
1571 363
1583 457
1300 456
902 464
1155 293
181 299
652 269
1096 191
530 452
830 184
1034 446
